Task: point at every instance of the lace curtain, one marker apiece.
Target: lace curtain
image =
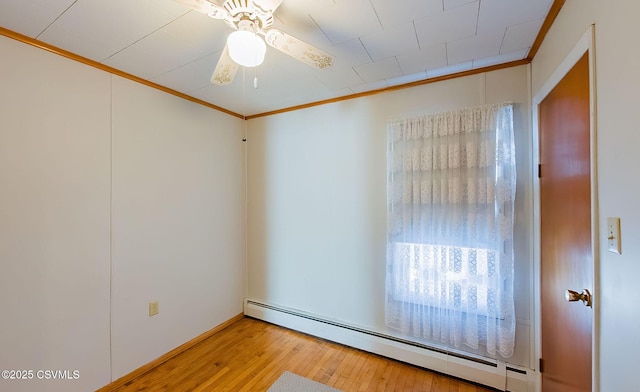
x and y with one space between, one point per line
451 191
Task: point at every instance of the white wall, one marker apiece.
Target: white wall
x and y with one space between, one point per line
177 221
54 218
112 195
617 64
317 199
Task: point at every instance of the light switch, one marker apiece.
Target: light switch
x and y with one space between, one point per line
613 235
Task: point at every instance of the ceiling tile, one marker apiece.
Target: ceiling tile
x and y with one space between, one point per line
500 13
450 25
295 20
204 34
370 87
392 13
191 76
243 98
394 41
348 20
154 55
449 4
305 29
407 78
339 79
297 9
229 97
451 69
500 59
520 36
93 48
31 17
98 29
477 47
280 87
349 54
277 90
279 62
378 70
424 59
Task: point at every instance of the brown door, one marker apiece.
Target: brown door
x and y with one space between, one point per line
565 232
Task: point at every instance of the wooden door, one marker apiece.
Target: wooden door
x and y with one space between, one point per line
565 232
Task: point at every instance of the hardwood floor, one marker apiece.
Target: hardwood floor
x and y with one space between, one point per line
250 355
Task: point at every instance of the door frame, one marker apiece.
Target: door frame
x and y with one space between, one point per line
586 43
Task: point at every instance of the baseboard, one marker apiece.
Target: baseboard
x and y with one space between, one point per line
492 373
164 358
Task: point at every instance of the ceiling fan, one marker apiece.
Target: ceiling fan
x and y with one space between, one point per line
252 19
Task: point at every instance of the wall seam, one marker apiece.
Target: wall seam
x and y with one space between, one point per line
111 228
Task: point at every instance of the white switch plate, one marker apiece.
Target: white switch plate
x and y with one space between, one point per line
613 235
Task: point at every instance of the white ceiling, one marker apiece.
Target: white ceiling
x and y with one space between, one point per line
376 43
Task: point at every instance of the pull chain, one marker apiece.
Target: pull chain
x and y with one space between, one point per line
255 78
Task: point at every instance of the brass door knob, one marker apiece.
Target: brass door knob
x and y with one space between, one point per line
584 296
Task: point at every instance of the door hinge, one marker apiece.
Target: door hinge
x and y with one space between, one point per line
540 365
539 170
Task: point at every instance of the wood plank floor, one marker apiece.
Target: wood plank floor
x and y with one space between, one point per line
250 355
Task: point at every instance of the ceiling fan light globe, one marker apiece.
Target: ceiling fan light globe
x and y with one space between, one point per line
246 48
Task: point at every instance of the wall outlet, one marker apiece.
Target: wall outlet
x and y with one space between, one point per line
153 308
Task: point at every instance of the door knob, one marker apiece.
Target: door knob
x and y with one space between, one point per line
584 296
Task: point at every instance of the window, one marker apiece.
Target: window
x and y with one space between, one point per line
451 191
428 277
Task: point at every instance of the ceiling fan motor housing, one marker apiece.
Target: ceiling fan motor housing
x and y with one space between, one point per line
246 10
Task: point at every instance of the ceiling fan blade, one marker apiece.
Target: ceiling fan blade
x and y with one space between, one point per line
298 49
267 5
225 70
206 7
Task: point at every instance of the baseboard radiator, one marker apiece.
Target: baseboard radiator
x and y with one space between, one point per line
492 373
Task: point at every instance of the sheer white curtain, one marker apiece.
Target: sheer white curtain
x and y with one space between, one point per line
451 191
